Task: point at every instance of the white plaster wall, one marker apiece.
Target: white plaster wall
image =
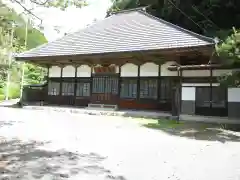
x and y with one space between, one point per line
220 72
233 94
55 71
68 71
165 71
149 69
129 70
196 73
117 67
188 93
201 73
199 84
84 71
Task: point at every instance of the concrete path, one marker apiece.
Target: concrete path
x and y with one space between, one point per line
132 113
50 145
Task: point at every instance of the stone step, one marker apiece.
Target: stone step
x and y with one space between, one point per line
103 106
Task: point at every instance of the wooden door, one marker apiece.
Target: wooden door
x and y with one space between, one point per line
105 89
211 101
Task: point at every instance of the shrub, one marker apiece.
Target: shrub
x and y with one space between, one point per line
1 91
14 91
2 97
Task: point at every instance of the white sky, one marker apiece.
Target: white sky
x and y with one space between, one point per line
70 20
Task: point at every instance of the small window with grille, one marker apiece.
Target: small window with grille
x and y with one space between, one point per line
129 88
149 89
165 89
83 89
68 89
53 88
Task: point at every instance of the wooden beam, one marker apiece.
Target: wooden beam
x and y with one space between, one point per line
196 67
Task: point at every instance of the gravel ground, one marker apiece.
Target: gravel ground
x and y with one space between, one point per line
55 145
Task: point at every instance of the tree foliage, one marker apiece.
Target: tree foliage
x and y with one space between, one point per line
212 18
12 40
229 50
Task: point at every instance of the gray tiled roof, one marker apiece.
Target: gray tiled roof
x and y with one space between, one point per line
122 32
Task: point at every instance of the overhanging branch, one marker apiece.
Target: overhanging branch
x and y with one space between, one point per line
27 10
40 3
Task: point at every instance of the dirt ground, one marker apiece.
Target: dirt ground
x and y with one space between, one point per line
55 145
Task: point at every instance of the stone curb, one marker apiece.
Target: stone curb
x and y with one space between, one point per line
99 112
149 115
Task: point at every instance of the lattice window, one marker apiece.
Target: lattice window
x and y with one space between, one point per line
53 88
129 88
68 89
83 89
149 89
165 89
98 85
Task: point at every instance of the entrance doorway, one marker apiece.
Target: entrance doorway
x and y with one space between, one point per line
211 101
105 89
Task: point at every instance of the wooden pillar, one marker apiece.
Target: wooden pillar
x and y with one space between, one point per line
61 81
119 83
47 84
48 67
91 81
75 84
138 83
211 86
180 91
47 76
159 82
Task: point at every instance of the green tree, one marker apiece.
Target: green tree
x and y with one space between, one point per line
33 74
212 18
229 51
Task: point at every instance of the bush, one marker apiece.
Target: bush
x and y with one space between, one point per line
2 97
1 91
14 91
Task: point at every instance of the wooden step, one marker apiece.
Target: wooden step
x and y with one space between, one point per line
103 106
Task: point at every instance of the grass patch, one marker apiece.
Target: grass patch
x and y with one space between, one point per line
160 123
163 123
192 130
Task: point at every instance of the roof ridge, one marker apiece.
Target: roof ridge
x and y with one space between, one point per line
142 8
202 37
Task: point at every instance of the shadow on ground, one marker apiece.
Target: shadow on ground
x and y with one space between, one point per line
28 161
17 105
198 131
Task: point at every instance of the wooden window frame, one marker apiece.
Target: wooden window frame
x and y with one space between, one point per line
167 89
66 90
54 81
122 79
83 80
148 97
